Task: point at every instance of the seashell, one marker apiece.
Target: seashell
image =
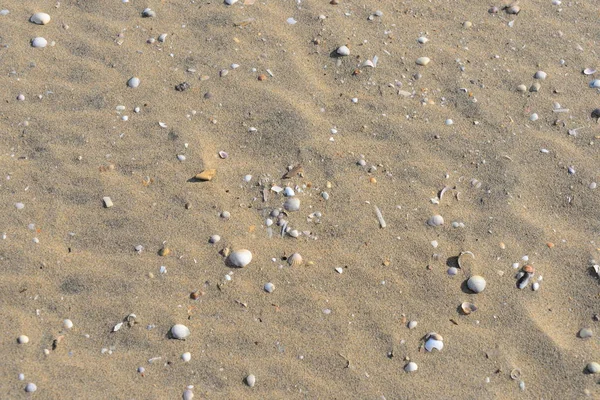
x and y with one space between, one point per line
593 368
589 71
187 394
423 61
529 269
117 327
493 10
422 40
462 259
269 287
250 380
411 367
240 258
535 87
214 239
206 175
536 286
435 336
148 13
523 281
292 204
436 220
522 88
343 51
186 357
596 113
540 75
40 18
476 284
289 192
133 82
223 154
179 331
67 324
585 333
162 37
468 308
39 42
595 84
513 9
30 387
367 63
515 374
295 260
23 339
412 324
165 251
230 2
431 344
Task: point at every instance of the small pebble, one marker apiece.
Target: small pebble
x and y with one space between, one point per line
585 333
436 220
19 206
452 271
225 215
540 75
67 324
593 368
188 394
214 239
40 18
423 61
23 339
535 87
269 287
30 387
533 117
476 284
179 331
412 324
292 204
133 82
186 357
148 13
250 380
39 42
411 367
107 202
343 51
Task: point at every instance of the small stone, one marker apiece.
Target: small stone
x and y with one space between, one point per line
593 368
452 271
535 87
423 61
467 24
343 51
522 88
148 13
39 42
476 284
23 339
250 380
30 387
540 75
186 357
225 215
40 18
214 239
107 202
240 258
188 394
182 87
163 252
162 37
436 220
133 82
179 331
412 324
596 113
585 333
230 2
206 175
67 324
269 287
533 117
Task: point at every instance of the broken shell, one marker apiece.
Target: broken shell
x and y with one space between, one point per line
436 220
411 367
223 154
179 331
206 175
515 374
423 61
295 260
468 308
461 260
476 284
368 63
431 344
240 258
343 51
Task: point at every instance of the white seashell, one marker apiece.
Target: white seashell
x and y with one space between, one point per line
240 258
339 270
23 339
436 220
30 387
179 331
186 357
294 233
292 204
589 71
422 40
411 367
40 18
434 344
423 61
368 63
476 284
295 260
230 2
148 13
117 327
412 324
595 84
288 192
269 287
162 37
540 75
535 286
188 394
250 380
133 82
67 324
593 368
343 51
214 239
39 42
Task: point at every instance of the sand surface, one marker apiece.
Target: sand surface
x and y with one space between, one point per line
320 334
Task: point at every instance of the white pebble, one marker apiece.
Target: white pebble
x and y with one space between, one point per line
269 287
40 18
251 380
343 51
411 367
180 157
67 324
452 271
23 339
20 206
476 284
423 61
436 220
39 42
540 75
535 286
247 178
186 357
179 331
449 122
214 239
533 117
412 324
30 387
188 394
21 377
133 82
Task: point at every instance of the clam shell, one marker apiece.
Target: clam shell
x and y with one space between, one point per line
423 61
368 63
40 18
540 75
436 220
593 368
295 260
292 204
431 344
468 308
589 71
39 42
595 84
240 258
411 367
269 287
179 331
476 284
343 51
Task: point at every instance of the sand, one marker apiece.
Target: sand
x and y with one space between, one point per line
65 147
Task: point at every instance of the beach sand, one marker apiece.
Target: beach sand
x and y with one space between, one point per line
320 334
